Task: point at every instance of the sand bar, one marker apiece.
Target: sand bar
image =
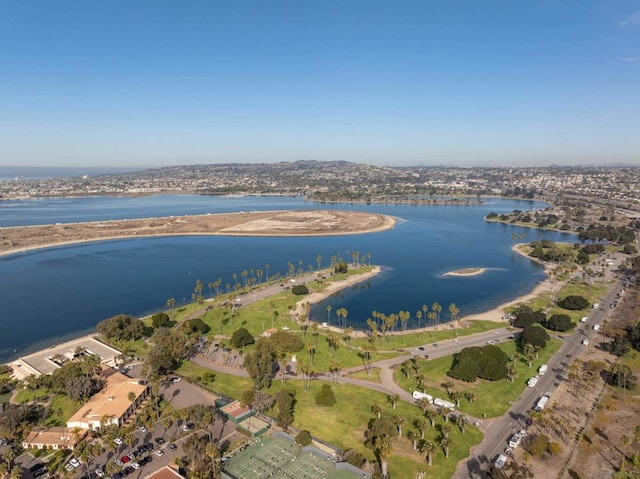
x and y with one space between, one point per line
258 223
466 272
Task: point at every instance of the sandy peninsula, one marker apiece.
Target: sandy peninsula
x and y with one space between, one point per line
258 223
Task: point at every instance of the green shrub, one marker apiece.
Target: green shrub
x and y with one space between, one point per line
559 322
241 338
300 289
325 396
573 302
487 362
303 438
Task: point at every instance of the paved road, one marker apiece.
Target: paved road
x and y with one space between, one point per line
499 430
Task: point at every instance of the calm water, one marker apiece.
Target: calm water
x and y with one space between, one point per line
57 293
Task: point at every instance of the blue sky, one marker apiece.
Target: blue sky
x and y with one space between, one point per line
154 83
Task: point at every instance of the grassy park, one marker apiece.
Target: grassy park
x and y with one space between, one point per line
485 392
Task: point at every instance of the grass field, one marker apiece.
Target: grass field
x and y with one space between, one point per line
491 398
62 408
374 377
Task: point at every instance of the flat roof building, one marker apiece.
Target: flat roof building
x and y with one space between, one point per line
53 438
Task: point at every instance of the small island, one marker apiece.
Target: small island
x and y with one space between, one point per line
466 272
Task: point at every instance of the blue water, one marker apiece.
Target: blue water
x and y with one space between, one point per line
56 293
11 173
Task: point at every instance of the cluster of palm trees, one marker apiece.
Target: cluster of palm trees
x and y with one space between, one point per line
7 467
417 435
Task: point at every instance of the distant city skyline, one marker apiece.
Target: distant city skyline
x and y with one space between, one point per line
464 83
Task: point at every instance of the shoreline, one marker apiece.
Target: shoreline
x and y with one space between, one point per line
249 220
494 314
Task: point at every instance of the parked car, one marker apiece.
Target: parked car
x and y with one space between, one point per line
172 447
118 441
143 429
135 465
159 440
158 452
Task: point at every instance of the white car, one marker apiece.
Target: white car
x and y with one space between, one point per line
585 342
533 381
99 472
142 429
135 465
74 462
176 380
158 452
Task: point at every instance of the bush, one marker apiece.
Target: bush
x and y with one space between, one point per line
241 338
573 302
246 398
536 444
629 249
300 289
487 362
559 322
303 438
325 396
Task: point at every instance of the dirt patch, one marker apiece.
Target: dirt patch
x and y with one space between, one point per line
263 223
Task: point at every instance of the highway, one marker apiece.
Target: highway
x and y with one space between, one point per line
498 431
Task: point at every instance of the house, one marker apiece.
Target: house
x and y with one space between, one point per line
112 405
53 438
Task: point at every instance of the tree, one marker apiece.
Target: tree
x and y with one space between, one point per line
160 320
121 328
573 302
325 396
534 335
384 446
413 437
300 289
241 338
445 444
559 322
393 399
260 364
285 399
428 448
303 438
399 422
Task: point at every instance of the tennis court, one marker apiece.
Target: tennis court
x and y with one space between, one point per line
277 458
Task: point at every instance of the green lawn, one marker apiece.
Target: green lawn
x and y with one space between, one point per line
344 425
375 375
491 398
62 408
26 395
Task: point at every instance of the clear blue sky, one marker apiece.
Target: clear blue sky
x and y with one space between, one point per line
154 83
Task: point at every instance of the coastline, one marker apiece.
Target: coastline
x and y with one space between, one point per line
495 314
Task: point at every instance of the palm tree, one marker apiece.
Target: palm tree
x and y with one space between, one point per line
445 429
329 314
311 350
399 422
377 410
170 303
456 396
422 425
529 352
419 317
428 448
445 444
438 309
424 405
385 447
461 422
413 437
447 387
431 415
342 312
469 396
393 399
453 309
